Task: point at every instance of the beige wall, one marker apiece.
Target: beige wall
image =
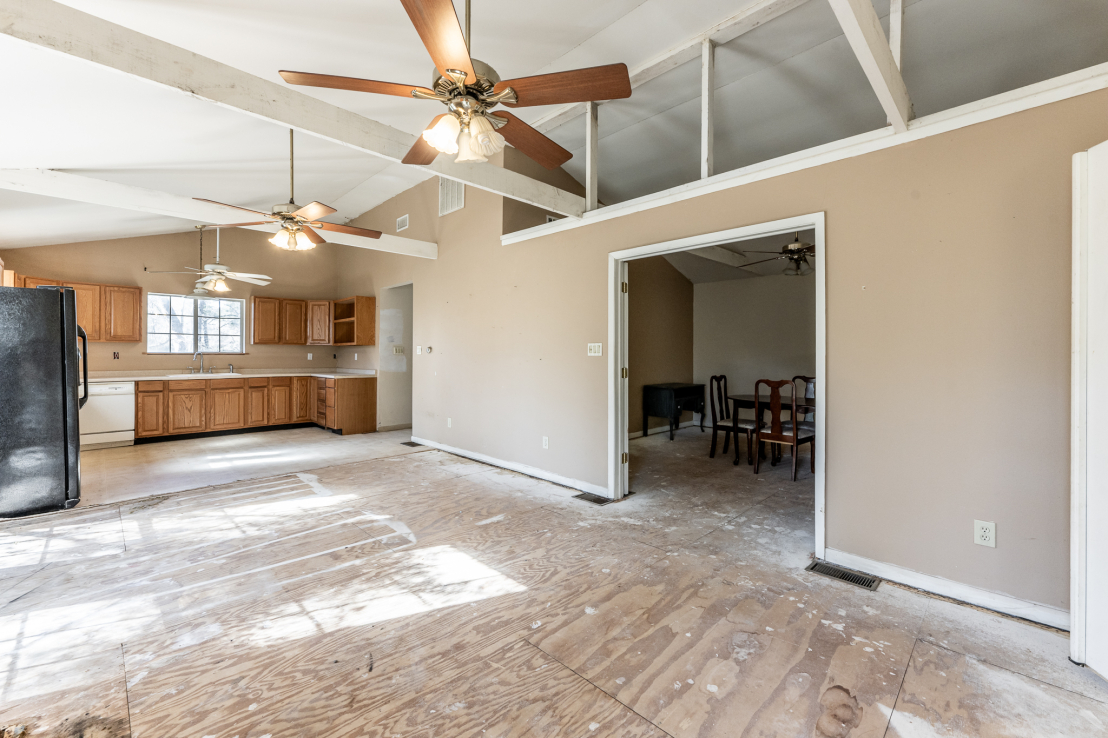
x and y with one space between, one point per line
394 371
947 330
659 333
311 274
751 329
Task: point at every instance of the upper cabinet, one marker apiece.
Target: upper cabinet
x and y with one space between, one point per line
33 282
355 322
121 312
89 299
319 322
294 322
267 320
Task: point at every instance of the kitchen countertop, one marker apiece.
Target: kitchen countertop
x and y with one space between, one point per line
106 377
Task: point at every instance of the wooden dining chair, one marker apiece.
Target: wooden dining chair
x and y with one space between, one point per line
780 433
723 420
808 419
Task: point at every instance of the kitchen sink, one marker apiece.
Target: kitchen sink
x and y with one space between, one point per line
205 375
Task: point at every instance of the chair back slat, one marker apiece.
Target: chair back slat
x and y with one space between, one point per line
717 398
775 432
809 387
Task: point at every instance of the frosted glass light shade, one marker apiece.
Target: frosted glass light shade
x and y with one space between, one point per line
483 137
444 134
466 151
303 243
281 239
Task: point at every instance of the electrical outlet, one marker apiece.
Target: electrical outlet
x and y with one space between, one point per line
984 533
448 422
398 349
309 357
545 442
355 357
596 349
115 354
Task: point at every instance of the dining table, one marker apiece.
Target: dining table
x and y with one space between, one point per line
804 405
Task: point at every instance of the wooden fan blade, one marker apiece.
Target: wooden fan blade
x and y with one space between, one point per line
763 261
313 236
610 82
531 142
350 83
422 152
314 211
437 25
236 207
350 230
237 225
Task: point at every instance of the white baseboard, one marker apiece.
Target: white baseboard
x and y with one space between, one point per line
400 426
530 471
1045 614
665 429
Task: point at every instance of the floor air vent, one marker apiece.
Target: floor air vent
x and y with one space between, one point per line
413 444
844 575
597 499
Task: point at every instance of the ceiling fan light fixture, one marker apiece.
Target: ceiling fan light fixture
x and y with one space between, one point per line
484 137
220 285
303 243
467 152
443 136
281 239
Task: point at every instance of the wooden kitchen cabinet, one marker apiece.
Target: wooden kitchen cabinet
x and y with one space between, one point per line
227 404
354 322
32 282
302 399
294 322
320 315
257 403
122 311
149 409
348 405
88 298
266 320
186 406
280 400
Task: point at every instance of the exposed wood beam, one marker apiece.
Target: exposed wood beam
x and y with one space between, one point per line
863 31
112 194
60 28
723 256
896 30
745 20
592 155
707 105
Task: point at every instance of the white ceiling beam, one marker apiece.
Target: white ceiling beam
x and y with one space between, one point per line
707 106
745 20
592 156
60 28
896 30
92 191
723 256
863 31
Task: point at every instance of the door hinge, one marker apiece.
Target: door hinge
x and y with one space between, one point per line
623 459
623 287
623 372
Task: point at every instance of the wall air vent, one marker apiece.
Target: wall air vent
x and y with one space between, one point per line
597 499
452 195
401 223
865 581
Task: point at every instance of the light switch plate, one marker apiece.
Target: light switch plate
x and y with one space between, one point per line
984 533
596 349
419 349
545 442
448 422
309 357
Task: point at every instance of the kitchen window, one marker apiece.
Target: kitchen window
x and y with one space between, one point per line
176 324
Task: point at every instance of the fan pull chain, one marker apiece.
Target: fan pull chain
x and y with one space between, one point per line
292 191
469 46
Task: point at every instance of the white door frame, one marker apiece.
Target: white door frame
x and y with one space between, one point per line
1078 387
617 343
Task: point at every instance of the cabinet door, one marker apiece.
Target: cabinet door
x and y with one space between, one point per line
185 411
149 414
121 311
33 282
280 405
228 408
301 399
294 322
257 405
88 308
319 322
267 320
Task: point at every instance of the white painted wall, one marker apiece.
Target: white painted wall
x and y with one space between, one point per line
751 329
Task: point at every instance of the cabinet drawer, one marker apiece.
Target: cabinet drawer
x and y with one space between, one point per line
330 382
280 381
226 383
331 417
258 382
188 384
149 386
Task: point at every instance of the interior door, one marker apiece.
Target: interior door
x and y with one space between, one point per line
1089 416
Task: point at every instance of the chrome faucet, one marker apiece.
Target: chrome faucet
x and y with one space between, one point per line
201 355
230 368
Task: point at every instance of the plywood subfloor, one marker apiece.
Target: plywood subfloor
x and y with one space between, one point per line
428 595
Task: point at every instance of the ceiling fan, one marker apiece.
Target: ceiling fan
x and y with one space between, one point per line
796 252
297 223
470 88
213 277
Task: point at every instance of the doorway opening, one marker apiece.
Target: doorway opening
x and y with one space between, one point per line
394 381
683 311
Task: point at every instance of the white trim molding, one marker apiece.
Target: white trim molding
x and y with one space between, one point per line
531 471
618 352
1053 616
1078 405
1025 98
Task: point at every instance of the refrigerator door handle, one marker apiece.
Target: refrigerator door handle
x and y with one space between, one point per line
84 365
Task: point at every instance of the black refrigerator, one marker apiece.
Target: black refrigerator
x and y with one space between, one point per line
40 395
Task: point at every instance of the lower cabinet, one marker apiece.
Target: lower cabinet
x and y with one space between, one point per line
257 403
348 404
149 409
227 403
302 399
186 405
280 400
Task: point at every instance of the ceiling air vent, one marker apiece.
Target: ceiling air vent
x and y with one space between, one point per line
401 223
452 195
844 575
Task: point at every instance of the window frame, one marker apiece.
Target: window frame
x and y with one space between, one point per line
195 325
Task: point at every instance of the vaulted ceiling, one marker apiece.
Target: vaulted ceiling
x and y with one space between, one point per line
785 86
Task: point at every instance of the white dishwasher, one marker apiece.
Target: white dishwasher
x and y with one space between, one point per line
108 418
